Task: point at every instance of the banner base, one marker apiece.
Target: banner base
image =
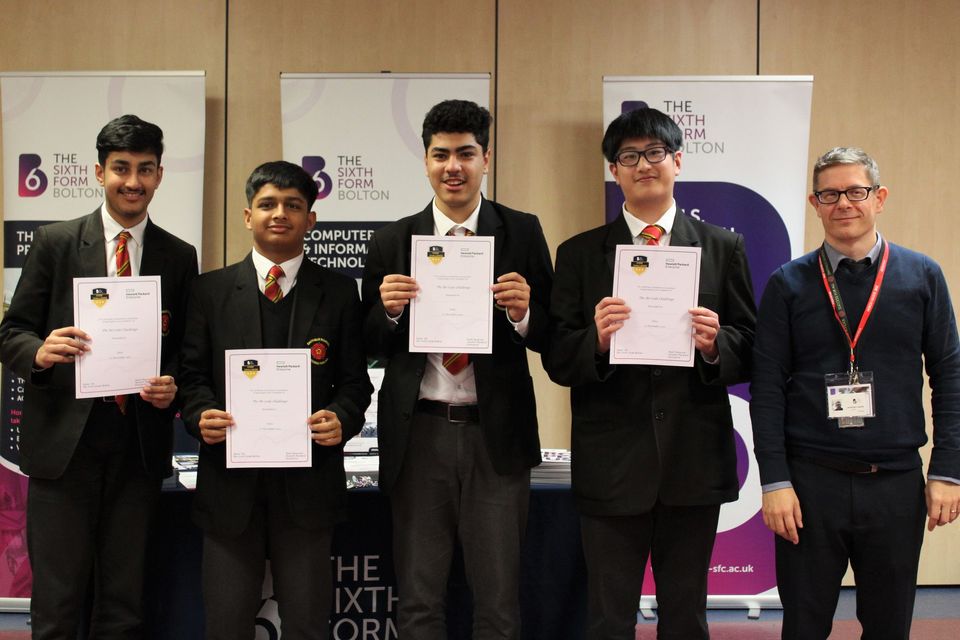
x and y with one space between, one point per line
753 604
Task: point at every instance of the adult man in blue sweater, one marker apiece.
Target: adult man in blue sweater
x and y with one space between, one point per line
843 334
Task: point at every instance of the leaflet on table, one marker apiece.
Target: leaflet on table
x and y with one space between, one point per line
122 318
268 395
453 312
660 285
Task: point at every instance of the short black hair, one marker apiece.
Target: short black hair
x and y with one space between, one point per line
641 123
129 133
457 116
282 175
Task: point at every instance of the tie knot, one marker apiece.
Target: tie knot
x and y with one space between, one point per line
123 237
652 233
276 272
466 232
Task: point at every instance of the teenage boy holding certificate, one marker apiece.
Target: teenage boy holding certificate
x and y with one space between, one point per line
458 433
273 299
95 464
652 445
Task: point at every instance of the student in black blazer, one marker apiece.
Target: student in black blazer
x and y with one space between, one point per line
456 444
95 469
285 514
652 446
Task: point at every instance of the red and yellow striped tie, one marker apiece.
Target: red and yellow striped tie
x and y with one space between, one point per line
271 287
457 362
652 234
123 255
124 270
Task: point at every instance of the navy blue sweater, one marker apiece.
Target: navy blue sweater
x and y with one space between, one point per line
799 340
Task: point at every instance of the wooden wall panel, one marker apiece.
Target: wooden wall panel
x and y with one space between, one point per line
885 79
332 36
136 35
552 59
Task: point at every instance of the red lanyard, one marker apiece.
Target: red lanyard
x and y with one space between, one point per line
833 294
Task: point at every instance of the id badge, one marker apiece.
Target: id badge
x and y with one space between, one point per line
850 398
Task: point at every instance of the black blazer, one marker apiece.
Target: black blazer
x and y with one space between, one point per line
508 410
641 432
53 418
224 313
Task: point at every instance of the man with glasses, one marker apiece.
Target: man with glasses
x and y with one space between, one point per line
844 333
653 446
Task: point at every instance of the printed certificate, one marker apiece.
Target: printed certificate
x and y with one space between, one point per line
122 318
453 312
268 395
660 285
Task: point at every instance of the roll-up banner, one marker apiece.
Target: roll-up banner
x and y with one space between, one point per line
745 155
359 136
50 126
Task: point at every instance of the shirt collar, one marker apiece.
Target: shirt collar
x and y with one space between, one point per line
442 224
112 228
290 267
834 256
637 225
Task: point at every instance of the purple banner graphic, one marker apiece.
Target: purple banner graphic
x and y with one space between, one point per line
742 561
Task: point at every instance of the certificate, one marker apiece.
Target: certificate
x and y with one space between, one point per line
660 285
268 395
453 312
122 318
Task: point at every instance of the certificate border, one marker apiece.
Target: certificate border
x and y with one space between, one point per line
243 354
697 252
86 283
415 241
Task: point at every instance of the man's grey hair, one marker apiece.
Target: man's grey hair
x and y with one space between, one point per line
847 155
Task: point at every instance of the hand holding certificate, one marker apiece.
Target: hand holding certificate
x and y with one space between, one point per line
268 395
660 285
454 309
122 318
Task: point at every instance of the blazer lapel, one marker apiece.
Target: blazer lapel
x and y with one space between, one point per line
422 225
152 258
309 297
683 234
92 248
490 224
244 305
617 233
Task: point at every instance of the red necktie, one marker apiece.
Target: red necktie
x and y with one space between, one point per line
271 288
123 271
456 362
652 233
123 255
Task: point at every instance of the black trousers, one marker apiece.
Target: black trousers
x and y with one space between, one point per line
874 521
448 490
90 527
233 571
678 541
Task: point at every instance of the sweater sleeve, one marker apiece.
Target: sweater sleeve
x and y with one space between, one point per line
941 354
768 389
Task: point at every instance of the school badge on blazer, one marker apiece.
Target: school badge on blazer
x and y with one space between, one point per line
318 350
165 323
639 264
99 296
250 368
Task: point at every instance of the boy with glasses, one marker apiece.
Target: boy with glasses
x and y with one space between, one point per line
653 447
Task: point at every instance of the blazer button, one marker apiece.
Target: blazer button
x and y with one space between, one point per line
658 415
656 372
